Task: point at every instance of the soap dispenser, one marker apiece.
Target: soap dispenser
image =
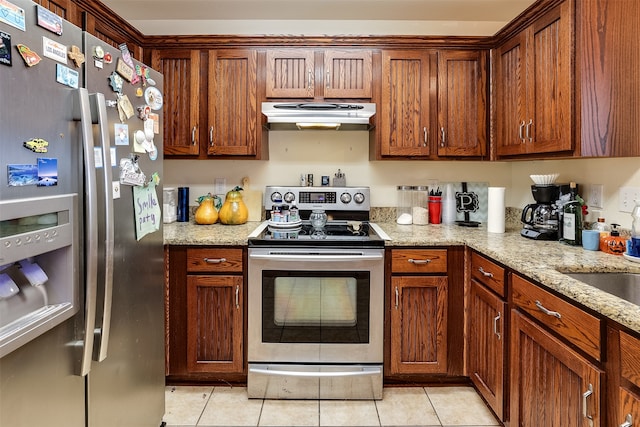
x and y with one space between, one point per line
613 244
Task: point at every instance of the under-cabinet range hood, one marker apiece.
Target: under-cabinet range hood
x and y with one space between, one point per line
318 116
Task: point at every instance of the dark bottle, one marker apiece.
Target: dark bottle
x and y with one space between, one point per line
572 219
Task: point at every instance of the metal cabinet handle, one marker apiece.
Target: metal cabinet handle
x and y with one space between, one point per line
425 139
485 273
585 402
328 79
528 132
495 325
215 260
520 132
419 261
397 297
309 74
628 422
211 136
442 137
237 296
193 135
546 311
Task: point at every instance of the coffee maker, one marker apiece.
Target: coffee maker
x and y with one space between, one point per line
541 220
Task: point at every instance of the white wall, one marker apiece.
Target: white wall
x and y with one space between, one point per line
323 152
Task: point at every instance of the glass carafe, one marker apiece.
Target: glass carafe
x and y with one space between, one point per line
318 219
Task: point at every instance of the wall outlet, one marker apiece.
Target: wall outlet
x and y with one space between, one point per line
627 198
596 196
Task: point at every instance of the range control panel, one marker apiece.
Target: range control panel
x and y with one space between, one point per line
328 198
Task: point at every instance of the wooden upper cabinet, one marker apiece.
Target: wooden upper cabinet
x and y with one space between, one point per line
607 64
290 73
234 121
534 82
330 73
462 103
347 73
181 70
404 107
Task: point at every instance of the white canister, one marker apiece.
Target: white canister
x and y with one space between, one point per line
169 204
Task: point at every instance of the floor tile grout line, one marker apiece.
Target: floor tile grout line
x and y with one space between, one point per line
204 407
433 406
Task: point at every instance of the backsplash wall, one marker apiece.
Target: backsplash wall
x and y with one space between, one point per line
324 152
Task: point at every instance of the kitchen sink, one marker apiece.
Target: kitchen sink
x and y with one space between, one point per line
622 285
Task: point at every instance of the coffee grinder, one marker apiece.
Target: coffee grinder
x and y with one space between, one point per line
541 220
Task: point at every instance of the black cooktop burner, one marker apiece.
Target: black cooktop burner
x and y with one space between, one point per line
334 233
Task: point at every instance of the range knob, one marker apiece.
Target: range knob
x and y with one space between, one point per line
276 196
289 197
345 198
358 198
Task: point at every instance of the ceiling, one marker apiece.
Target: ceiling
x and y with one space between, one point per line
319 17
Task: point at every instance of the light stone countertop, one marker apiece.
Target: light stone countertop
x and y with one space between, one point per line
536 260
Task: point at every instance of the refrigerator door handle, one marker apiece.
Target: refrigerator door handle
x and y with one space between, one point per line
101 331
82 112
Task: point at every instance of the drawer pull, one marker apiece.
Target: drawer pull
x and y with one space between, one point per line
585 402
215 260
237 296
546 311
628 422
485 273
419 261
495 325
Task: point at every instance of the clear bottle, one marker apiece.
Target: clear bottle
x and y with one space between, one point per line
403 206
602 227
572 219
419 209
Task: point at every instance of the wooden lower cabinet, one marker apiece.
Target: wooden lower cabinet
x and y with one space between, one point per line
214 323
487 345
628 409
419 325
204 314
551 384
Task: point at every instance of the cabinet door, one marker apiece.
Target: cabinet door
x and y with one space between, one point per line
232 103
418 325
347 73
290 73
511 96
214 324
487 345
550 79
181 70
462 103
629 410
404 107
551 384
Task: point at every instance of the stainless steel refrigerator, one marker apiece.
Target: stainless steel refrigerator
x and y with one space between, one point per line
76 214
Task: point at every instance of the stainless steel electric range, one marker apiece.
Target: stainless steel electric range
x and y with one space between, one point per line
316 296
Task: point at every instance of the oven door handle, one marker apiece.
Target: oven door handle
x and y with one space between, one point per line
317 257
364 371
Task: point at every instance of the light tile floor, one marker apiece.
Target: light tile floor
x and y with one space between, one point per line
400 406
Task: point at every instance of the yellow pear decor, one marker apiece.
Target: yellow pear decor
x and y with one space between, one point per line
233 210
206 212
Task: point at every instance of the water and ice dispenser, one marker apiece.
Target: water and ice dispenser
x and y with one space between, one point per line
39 277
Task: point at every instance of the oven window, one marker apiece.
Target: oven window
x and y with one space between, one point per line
315 307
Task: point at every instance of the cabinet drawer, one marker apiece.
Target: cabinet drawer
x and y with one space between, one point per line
573 324
419 261
488 273
630 358
214 260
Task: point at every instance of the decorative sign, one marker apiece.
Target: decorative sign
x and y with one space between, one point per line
49 20
67 76
12 15
147 210
5 48
54 50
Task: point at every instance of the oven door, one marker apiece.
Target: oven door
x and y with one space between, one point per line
315 305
